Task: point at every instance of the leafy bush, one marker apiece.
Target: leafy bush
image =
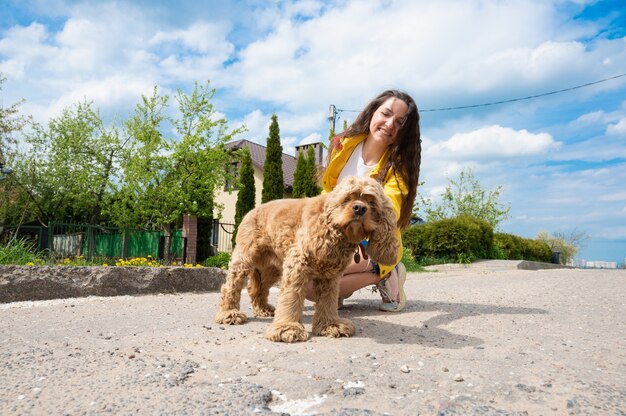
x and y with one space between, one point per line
220 260
463 239
512 246
537 250
518 248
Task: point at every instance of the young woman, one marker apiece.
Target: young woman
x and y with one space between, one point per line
383 143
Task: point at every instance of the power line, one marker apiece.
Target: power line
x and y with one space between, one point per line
511 100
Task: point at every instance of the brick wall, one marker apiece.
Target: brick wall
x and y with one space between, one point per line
190 232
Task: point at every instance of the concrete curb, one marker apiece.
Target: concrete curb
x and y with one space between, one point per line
29 283
535 265
496 265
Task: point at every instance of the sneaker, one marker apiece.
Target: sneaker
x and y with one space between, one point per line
398 302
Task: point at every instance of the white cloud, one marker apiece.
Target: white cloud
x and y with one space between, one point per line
614 196
24 48
593 117
257 125
335 53
618 128
195 53
493 142
114 92
199 37
311 138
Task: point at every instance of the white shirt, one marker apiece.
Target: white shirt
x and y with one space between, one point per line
355 166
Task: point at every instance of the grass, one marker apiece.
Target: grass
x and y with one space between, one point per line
20 252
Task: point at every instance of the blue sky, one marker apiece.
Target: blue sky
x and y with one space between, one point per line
560 159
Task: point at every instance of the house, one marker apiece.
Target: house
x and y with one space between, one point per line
227 197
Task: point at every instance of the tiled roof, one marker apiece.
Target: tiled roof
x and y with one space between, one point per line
257 154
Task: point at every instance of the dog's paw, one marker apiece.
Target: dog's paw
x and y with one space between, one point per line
289 332
263 311
231 317
337 329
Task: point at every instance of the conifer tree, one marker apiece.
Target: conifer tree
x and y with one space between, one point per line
299 177
273 185
247 191
311 187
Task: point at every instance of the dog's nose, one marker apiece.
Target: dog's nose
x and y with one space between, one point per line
359 209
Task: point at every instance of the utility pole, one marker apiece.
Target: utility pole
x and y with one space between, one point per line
332 116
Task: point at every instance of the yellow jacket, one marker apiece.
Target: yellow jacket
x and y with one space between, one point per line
393 185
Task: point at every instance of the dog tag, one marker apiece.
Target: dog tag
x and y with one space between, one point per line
357 256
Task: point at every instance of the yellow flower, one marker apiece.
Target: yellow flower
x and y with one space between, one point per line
105 265
30 263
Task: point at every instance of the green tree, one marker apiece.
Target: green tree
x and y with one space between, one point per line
299 186
13 198
165 177
200 152
273 184
466 196
568 244
246 198
305 176
145 167
10 123
70 166
311 188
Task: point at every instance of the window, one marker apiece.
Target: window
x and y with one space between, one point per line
232 177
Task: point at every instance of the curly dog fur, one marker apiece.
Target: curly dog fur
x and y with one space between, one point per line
301 240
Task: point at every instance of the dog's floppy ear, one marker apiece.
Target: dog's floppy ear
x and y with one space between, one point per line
383 244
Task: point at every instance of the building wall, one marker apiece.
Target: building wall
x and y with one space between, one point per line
229 200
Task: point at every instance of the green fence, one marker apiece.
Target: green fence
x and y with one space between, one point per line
71 240
97 241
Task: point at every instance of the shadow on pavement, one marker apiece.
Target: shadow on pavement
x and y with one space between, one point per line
428 332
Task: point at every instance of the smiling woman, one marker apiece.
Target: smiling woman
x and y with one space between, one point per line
383 143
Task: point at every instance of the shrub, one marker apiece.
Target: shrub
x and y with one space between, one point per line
518 248
412 238
462 239
537 250
511 245
220 260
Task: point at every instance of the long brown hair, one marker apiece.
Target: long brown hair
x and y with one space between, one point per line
406 151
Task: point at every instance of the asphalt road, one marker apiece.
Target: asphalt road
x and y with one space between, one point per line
475 341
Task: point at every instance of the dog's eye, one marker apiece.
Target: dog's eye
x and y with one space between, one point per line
368 198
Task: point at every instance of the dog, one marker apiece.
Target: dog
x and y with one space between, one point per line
301 240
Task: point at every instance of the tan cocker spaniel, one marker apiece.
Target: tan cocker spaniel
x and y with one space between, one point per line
302 240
